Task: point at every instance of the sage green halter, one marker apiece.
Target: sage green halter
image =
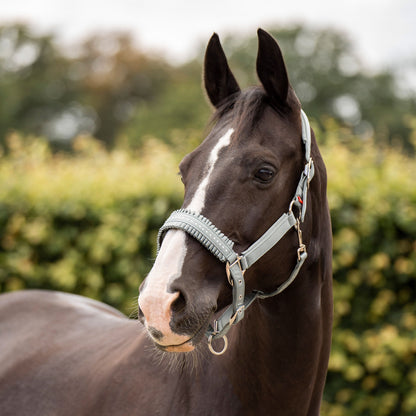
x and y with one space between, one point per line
201 228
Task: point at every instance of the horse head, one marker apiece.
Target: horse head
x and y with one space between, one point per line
242 178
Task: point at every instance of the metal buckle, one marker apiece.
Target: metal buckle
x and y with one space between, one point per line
302 247
291 205
228 271
234 317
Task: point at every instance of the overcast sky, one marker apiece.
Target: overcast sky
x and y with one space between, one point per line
382 30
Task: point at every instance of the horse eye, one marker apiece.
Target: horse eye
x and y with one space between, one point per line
264 175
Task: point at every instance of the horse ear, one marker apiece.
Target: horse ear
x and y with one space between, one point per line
271 69
219 80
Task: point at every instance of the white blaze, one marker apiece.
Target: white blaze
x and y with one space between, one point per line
198 200
156 300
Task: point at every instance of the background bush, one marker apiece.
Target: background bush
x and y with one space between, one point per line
372 197
86 223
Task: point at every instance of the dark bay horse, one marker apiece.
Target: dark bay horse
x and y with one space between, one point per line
246 262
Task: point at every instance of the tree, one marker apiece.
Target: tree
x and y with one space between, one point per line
35 86
117 79
180 107
47 92
109 88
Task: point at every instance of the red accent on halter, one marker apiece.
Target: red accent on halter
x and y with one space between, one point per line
300 200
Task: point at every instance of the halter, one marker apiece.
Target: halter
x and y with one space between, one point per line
201 228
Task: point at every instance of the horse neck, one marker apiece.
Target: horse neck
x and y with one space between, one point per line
279 351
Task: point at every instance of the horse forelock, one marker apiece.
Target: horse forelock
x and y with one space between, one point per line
245 110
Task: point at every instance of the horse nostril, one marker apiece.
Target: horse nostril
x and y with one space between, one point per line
179 304
155 333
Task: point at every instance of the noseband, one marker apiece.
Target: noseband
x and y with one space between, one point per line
201 228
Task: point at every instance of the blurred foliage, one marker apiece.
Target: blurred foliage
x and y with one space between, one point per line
116 78
35 85
372 198
109 88
87 223
58 93
180 109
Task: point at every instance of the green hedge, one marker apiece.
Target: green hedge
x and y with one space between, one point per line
372 196
84 224
87 224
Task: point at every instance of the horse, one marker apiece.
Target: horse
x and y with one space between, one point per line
235 315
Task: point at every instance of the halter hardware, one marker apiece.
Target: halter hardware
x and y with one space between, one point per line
201 228
224 348
302 247
228 271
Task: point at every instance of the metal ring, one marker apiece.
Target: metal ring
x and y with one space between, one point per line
223 349
291 205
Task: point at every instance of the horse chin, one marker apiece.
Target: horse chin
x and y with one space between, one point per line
187 346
